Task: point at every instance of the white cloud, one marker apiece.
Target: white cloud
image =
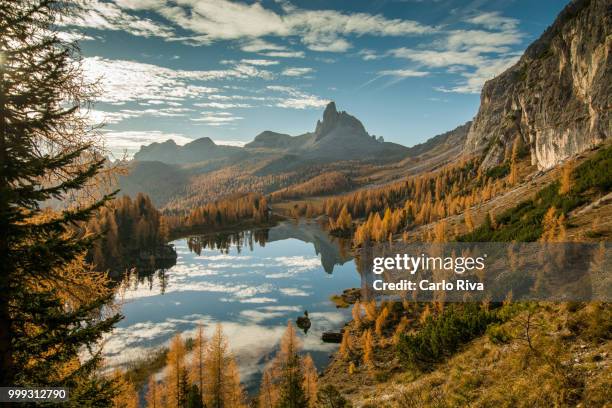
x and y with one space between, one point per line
262 62
475 55
475 80
237 143
293 292
216 118
257 316
222 105
71 36
104 15
437 59
403 73
369 55
295 72
258 45
297 99
259 300
494 21
101 117
212 20
284 54
130 141
123 81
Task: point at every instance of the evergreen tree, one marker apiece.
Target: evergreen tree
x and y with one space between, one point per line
289 367
330 397
46 152
194 397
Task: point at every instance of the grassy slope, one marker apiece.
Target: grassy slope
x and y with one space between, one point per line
569 365
571 348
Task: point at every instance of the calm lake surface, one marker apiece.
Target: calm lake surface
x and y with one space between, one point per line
252 282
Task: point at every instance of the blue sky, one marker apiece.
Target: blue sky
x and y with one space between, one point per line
229 69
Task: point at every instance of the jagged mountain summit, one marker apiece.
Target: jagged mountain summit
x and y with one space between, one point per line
557 97
339 136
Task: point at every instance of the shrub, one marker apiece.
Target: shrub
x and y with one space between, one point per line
498 334
441 336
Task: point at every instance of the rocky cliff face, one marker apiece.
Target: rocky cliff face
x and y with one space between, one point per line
333 119
557 96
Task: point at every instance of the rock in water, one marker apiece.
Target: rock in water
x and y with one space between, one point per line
303 322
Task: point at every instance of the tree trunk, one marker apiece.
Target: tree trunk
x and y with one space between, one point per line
6 354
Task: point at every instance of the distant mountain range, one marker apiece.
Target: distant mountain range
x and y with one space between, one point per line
339 136
202 170
556 98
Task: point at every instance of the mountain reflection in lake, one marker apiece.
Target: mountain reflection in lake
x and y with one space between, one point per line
252 282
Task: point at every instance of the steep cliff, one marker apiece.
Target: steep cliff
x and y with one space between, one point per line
556 97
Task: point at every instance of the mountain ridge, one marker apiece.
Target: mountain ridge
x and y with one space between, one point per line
196 151
338 136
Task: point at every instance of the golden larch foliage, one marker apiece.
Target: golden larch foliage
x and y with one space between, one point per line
371 311
268 391
222 386
155 394
311 378
381 320
126 397
440 232
469 220
553 226
566 178
345 345
425 314
400 329
198 358
356 313
368 348
176 370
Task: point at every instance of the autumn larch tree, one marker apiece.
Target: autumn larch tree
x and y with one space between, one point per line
222 388
311 378
290 371
47 152
268 392
176 388
198 359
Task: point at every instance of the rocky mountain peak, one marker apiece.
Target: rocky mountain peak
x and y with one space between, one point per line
202 142
330 112
332 119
